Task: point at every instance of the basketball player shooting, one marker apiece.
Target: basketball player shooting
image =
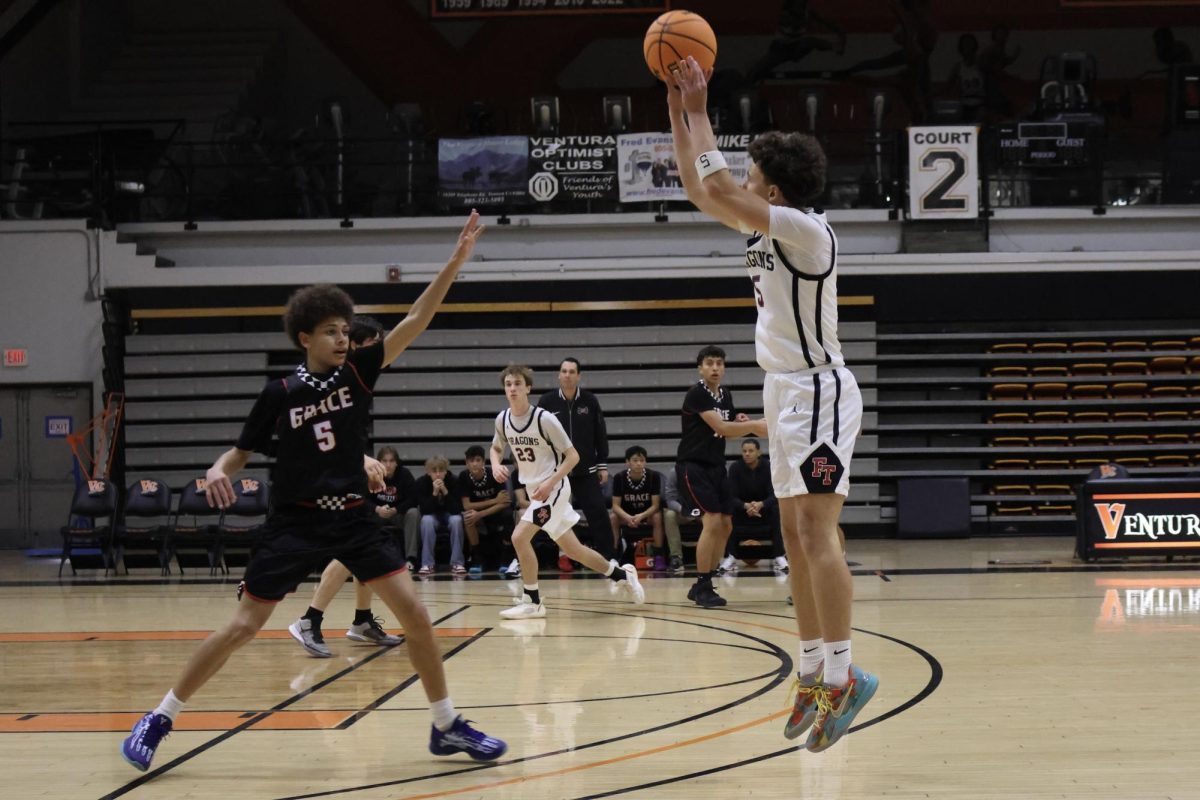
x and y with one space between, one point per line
811 401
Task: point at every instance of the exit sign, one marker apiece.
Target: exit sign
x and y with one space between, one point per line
16 357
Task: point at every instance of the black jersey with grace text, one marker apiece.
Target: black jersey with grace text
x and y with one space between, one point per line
636 496
320 422
482 490
700 443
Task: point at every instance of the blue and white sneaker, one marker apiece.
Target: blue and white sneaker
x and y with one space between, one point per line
462 738
138 748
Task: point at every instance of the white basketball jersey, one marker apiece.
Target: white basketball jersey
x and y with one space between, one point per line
794 270
538 443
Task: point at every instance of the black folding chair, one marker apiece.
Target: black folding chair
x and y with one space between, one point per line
251 499
93 499
149 501
194 535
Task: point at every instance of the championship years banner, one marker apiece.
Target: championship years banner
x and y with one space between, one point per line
572 168
647 171
943 172
485 171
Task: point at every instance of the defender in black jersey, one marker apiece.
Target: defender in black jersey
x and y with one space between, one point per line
708 418
366 627
319 511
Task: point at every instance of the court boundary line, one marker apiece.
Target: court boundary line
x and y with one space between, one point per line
935 680
781 675
206 746
1173 566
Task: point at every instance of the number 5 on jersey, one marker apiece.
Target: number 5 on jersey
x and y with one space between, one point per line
323 430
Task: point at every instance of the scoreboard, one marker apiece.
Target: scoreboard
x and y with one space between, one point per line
499 8
1049 144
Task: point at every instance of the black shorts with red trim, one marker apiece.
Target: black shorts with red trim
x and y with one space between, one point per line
297 542
703 489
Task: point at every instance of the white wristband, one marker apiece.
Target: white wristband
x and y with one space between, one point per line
709 162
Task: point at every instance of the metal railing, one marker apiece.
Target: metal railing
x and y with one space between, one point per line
145 171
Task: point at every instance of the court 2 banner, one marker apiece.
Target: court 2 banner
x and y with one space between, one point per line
486 171
572 168
646 168
943 172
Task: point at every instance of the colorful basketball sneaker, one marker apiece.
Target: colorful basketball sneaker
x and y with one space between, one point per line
837 708
804 705
138 748
462 738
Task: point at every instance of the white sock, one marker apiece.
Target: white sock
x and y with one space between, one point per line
612 567
812 654
443 713
170 706
837 663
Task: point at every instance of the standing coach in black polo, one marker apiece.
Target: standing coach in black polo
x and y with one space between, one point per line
579 412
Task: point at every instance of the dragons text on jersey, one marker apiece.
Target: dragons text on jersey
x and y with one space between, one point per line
794 270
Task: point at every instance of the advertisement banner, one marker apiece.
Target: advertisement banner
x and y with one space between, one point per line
943 172
647 170
1139 516
565 168
486 171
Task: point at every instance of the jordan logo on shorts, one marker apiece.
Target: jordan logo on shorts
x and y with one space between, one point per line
822 470
541 515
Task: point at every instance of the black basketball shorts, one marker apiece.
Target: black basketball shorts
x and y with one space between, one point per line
297 542
703 489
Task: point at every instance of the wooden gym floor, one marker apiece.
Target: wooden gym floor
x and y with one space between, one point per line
1008 670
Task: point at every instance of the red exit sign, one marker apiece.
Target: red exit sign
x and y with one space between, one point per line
16 357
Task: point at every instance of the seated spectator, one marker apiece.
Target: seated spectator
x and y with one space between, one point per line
396 504
672 510
636 503
485 502
755 508
438 498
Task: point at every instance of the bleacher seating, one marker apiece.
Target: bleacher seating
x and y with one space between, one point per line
937 404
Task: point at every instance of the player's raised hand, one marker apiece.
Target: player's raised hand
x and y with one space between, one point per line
693 86
470 234
217 489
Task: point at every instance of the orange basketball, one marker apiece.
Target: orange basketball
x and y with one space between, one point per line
673 37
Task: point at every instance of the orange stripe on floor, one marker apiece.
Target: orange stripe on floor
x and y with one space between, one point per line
607 761
163 636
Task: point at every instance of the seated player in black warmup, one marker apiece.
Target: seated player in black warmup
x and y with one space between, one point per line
318 503
486 504
755 509
637 507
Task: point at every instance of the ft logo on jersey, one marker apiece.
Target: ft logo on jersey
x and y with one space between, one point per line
822 470
336 401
